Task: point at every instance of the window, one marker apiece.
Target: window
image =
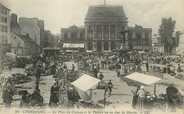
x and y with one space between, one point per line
6 39
138 35
106 46
146 35
5 29
98 30
90 45
2 39
4 19
113 45
3 11
18 44
73 35
81 35
130 35
106 32
65 35
2 28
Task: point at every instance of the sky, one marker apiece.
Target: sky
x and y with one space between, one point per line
59 14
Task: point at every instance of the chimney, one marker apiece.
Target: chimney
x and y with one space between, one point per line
14 17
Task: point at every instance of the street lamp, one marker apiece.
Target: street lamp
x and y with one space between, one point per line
123 50
123 39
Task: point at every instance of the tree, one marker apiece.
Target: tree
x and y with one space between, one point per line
166 30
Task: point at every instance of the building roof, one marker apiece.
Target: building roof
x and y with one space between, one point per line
138 28
105 13
25 38
73 28
4 6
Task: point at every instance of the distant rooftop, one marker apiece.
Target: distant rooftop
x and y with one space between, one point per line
2 5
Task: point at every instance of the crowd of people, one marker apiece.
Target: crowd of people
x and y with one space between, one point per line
63 94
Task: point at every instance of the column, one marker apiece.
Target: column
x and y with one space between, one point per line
86 32
102 33
116 32
126 40
93 31
109 32
102 46
109 46
86 45
94 46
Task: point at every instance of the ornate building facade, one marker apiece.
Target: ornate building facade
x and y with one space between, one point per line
103 24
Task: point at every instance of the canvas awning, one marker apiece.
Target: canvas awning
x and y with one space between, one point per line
85 82
84 96
142 78
73 45
158 65
51 48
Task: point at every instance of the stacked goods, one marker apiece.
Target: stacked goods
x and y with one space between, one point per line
20 78
104 102
72 75
29 70
111 67
101 85
22 61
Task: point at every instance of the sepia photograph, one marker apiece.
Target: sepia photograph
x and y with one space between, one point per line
91 56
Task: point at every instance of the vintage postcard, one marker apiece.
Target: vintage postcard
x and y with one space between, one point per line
91 56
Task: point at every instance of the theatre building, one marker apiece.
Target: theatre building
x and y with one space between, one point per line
102 26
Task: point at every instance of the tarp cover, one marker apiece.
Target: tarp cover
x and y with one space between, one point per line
143 78
85 82
84 96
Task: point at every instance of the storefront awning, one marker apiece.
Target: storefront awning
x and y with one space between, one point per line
73 45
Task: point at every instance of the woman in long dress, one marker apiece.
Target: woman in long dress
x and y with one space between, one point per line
63 96
53 102
135 97
142 98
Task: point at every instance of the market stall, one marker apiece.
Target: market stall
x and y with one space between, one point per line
83 84
138 79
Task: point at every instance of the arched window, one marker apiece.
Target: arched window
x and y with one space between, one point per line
73 35
113 46
90 45
106 46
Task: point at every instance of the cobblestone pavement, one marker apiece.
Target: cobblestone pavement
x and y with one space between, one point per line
121 93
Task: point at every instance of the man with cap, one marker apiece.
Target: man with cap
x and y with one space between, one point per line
109 87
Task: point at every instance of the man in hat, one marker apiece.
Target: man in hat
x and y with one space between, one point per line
7 96
109 87
54 96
